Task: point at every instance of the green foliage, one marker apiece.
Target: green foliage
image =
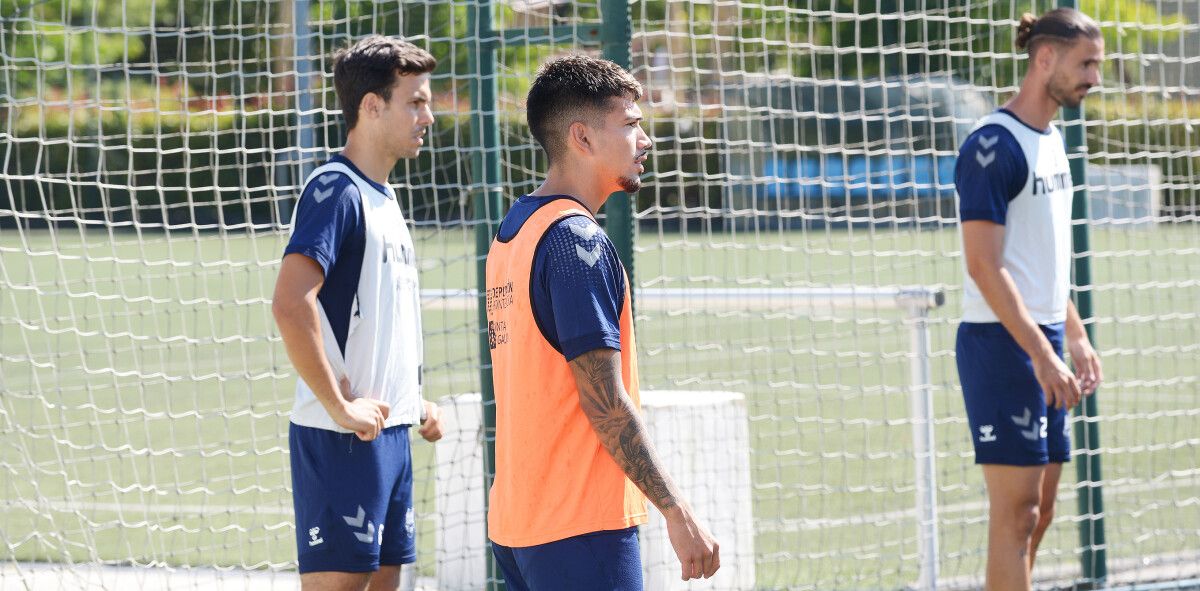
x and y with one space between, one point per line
889 37
1147 129
225 46
63 38
67 47
1130 25
1127 25
118 77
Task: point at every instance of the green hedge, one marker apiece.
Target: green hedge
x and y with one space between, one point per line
152 176
215 171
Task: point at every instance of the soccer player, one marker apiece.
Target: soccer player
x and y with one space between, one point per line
1014 188
347 306
571 449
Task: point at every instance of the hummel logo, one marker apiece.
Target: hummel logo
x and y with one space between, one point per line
586 231
986 434
325 178
1023 421
357 522
986 143
320 195
588 257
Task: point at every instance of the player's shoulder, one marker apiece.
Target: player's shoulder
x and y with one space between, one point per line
990 145
331 184
575 230
576 240
991 136
578 226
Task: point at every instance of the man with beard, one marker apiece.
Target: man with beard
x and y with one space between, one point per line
573 458
1015 191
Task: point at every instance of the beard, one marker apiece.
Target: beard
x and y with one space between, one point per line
1068 101
630 184
1065 96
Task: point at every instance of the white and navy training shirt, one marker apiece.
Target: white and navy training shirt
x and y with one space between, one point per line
1018 176
370 301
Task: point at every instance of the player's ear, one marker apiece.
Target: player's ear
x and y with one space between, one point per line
579 137
370 106
1046 55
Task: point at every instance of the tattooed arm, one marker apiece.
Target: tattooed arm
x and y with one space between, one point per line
620 429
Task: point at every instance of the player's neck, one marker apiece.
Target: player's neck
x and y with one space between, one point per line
1033 105
374 163
567 180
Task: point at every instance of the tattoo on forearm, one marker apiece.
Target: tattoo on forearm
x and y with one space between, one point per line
641 465
613 416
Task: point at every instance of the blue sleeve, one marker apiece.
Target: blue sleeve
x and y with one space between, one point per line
578 288
989 172
329 212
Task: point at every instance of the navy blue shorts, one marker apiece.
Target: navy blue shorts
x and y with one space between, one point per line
599 561
1006 408
353 499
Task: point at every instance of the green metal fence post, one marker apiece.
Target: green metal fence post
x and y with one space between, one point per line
487 203
1093 554
616 34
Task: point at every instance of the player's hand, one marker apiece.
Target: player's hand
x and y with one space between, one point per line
1086 363
699 555
431 427
1058 383
364 416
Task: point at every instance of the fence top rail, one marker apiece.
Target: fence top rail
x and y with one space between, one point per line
913 298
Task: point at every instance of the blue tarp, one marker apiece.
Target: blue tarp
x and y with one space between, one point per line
837 176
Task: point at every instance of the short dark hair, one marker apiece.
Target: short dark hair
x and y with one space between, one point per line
371 66
1061 25
571 87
